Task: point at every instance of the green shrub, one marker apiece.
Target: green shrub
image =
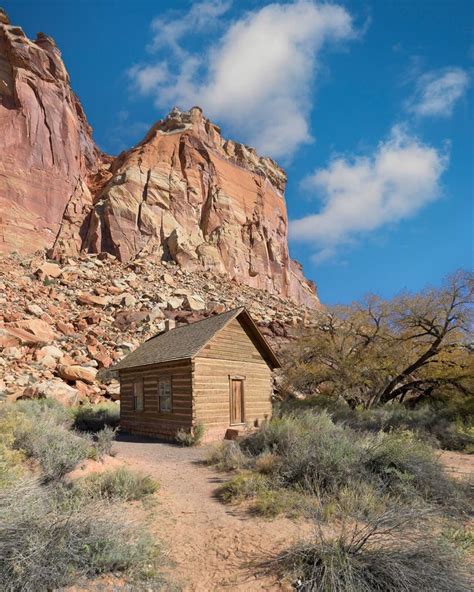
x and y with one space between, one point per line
104 441
57 449
346 470
94 418
381 556
227 456
120 484
42 430
403 465
46 544
242 487
448 424
191 437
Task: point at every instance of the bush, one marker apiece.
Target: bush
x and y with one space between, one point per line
347 471
47 544
228 456
381 556
103 441
120 484
242 487
404 465
57 449
192 437
94 418
42 431
447 424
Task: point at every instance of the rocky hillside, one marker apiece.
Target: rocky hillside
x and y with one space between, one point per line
62 326
184 193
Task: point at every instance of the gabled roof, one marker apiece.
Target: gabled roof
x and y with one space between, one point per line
186 341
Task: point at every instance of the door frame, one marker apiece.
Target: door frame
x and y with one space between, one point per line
241 379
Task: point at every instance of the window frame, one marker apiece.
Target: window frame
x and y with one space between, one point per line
168 378
136 407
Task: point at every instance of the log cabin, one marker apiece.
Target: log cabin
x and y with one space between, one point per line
216 371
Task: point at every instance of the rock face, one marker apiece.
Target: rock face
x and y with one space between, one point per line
200 201
183 193
46 149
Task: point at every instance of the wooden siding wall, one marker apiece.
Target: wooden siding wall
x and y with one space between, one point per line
150 422
231 352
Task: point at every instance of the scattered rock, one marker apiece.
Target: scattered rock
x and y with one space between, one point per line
84 373
194 303
54 389
50 270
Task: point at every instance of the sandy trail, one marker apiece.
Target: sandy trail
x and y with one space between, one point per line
210 544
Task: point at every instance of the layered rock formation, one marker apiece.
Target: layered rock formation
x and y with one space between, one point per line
201 201
46 149
184 193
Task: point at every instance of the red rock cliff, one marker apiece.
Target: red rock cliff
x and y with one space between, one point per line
46 148
183 192
202 201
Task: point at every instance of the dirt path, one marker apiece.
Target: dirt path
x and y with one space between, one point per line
209 543
458 464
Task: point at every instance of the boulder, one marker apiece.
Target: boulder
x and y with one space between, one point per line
173 303
54 389
30 331
93 299
50 270
194 302
35 310
76 372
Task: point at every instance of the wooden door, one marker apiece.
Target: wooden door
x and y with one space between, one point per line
236 401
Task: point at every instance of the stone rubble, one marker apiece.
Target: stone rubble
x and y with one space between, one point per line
61 335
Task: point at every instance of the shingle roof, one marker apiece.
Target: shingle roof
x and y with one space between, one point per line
184 341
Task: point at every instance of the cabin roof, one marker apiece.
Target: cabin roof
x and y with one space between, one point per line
185 341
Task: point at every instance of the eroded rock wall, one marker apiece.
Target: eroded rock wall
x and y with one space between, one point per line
46 148
203 202
184 193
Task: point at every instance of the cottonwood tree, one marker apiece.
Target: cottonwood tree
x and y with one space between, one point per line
378 351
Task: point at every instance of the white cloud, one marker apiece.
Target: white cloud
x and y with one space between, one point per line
437 92
362 194
257 77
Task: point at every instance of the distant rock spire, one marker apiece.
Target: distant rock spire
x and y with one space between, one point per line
4 20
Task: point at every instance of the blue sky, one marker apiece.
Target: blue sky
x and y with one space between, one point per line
367 105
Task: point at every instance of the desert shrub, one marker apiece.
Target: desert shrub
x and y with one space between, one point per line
461 537
42 430
267 463
312 451
94 418
191 437
120 484
11 465
381 555
447 424
227 456
403 465
57 449
103 441
242 487
357 498
346 470
46 544
270 502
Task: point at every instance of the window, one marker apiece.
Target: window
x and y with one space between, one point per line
164 394
138 395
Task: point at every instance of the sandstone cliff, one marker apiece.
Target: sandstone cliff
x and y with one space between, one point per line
183 193
201 201
46 148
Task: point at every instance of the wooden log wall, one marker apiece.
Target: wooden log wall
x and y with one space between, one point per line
232 352
151 421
